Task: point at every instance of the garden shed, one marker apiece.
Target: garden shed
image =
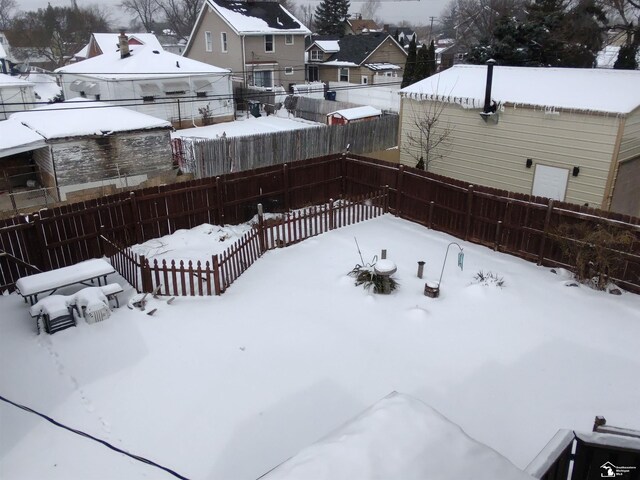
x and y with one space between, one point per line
565 133
351 115
94 144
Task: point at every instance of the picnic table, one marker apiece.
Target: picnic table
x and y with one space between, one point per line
48 282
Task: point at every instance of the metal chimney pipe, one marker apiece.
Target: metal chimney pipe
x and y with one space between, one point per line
123 43
487 93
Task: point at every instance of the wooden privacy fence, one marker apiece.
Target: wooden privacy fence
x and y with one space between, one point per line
210 157
204 278
512 223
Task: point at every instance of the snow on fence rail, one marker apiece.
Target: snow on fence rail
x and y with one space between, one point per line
169 277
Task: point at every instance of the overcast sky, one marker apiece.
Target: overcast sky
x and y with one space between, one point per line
416 12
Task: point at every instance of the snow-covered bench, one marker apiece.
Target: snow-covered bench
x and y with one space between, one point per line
48 282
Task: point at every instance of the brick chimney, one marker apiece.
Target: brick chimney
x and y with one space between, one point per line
123 43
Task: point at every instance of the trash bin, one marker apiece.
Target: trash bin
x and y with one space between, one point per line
254 108
330 95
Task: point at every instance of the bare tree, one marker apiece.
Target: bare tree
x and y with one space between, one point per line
429 135
6 9
180 15
145 10
624 13
369 8
306 11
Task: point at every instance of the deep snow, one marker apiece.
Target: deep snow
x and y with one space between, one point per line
231 386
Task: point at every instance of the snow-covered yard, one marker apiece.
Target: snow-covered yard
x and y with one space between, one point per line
229 387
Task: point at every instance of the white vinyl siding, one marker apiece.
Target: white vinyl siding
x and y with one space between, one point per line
495 154
630 144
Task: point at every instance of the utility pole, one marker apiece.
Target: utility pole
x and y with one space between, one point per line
431 29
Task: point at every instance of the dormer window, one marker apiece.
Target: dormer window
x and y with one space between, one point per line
316 55
268 44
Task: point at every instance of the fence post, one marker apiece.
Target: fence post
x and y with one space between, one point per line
261 236
399 192
432 205
285 178
385 200
216 274
145 275
498 233
547 220
42 243
100 244
219 201
343 173
467 227
135 214
332 222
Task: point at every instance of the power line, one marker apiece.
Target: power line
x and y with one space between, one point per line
95 439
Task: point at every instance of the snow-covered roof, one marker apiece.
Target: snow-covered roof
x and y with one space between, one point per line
340 63
398 437
143 62
382 66
357 112
16 138
585 89
249 126
79 117
8 80
83 53
328 46
257 17
109 42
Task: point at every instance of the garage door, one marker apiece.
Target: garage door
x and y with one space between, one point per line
550 182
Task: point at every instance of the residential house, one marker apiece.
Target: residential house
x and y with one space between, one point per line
355 58
448 53
5 63
403 35
145 78
82 145
260 42
358 25
15 95
563 133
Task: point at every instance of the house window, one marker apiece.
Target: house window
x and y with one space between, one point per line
223 41
316 55
343 74
288 70
364 80
201 94
208 42
148 99
263 78
268 44
288 39
175 92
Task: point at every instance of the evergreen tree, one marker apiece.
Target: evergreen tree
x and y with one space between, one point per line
422 64
330 16
627 57
431 59
408 76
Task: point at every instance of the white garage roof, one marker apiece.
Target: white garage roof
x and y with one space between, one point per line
16 138
585 89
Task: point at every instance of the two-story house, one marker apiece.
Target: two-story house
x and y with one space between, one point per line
260 42
355 58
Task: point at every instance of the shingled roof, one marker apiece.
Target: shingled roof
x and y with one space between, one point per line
257 17
354 48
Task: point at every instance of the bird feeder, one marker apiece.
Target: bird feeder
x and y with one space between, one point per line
385 268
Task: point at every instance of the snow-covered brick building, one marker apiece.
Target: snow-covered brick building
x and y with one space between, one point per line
148 79
261 42
563 133
88 145
358 59
15 95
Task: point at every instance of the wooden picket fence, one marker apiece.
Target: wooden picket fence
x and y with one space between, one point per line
171 278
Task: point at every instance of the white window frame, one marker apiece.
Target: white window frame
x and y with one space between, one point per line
208 42
364 80
288 70
288 38
273 43
316 55
340 74
223 42
253 80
